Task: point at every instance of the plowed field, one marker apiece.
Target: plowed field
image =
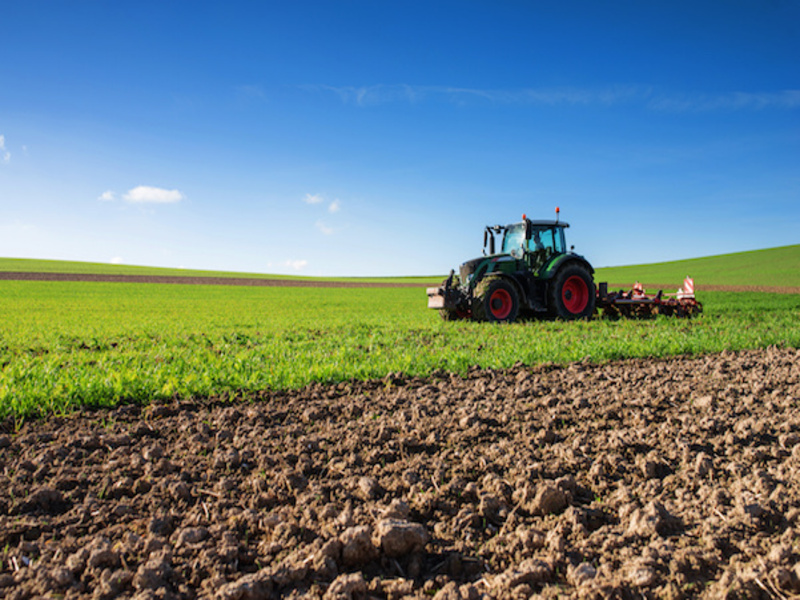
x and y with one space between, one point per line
263 282
650 478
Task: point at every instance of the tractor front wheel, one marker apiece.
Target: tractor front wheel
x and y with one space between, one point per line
496 300
572 293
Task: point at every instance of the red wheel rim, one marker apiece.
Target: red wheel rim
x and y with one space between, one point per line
500 304
575 295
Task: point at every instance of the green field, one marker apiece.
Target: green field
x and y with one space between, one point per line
68 345
775 267
29 265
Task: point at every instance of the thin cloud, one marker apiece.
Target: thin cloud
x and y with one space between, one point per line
335 206
313 199
5 155
324 228
385 94
107 196
251 92
297 265
614 95
117 260
145 194
787 99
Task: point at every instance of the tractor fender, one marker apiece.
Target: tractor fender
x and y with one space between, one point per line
561 261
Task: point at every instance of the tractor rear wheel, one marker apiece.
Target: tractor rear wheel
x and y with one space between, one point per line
572 293
496 300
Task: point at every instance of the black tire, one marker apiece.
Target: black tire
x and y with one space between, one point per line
572 293
496 300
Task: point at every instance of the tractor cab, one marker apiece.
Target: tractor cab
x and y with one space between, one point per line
534 241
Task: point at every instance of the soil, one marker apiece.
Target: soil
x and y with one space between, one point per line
247 281
241 281
674 478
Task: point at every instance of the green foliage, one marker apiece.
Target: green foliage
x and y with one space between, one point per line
68 345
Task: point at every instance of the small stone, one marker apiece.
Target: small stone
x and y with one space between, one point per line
398 509
161 525
347 586
180 491
452 591
641 576
581 574
648 521
191 535
254 586
369 488
102 557
703 464
549 499
397 537
152 575
357 547
61 577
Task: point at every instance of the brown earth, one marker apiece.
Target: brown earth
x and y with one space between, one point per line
31 276
246 281
676 478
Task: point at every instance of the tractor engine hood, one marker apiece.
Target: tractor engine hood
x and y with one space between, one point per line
467 269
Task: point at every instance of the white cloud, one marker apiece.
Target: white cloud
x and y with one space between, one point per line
323 228
5 155
107 196
335 206
145 194
297 265
117 260
313 199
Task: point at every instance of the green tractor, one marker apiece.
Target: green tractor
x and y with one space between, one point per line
533 273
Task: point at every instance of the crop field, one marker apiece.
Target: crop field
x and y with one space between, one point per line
197 441
770 268
64 345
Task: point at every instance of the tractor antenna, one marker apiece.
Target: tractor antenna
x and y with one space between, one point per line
558 213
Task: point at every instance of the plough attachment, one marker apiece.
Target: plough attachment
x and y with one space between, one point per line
638 304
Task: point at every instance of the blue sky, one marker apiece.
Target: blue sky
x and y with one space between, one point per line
379 137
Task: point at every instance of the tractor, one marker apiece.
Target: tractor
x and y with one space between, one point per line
532 273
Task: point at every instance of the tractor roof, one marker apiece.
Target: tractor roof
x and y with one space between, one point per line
549 223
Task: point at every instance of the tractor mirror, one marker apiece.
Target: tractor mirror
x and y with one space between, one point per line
528 229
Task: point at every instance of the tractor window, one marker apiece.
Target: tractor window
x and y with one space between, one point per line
547 239
514 238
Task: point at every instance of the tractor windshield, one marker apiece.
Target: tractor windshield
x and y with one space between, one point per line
514 238
547 239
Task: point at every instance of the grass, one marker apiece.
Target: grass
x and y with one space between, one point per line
67 345
774 267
